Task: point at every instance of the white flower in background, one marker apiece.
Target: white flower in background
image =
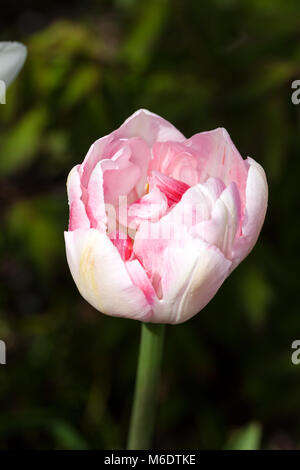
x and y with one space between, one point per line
12 58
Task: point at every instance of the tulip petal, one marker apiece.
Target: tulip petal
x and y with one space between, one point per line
120 182
255 210
101 276
221 229
173 189
219 158
150 207
95 199
12 58
78 216
123 243
150 127
140 279
176 160
192 272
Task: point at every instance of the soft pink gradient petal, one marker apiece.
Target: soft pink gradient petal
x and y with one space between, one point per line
219 158
255 211
95 200
150 207
120 175
94 155
101 276
140 156
78 216
150 127
176 160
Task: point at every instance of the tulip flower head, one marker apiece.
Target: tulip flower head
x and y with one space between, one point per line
12 58
158 221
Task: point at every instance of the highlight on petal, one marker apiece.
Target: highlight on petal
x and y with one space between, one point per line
12 58
101 276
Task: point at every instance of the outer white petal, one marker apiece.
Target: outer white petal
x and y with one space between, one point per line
255 211
12 58
101 275
193 273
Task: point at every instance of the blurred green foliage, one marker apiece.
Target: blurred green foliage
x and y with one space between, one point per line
228 380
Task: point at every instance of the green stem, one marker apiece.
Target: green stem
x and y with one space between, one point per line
144 403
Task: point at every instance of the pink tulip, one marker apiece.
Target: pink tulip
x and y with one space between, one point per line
158 221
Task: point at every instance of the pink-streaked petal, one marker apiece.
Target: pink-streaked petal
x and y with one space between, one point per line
219 158
176 160
78 216
123 244
255 210
150 127
94 155
141 280
101 276
171 188
95 206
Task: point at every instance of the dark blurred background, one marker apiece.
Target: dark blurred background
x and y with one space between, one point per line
227 380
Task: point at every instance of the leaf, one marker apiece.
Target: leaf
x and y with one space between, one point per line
19 146
66 436
149 24
256 294
246 438
81 84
